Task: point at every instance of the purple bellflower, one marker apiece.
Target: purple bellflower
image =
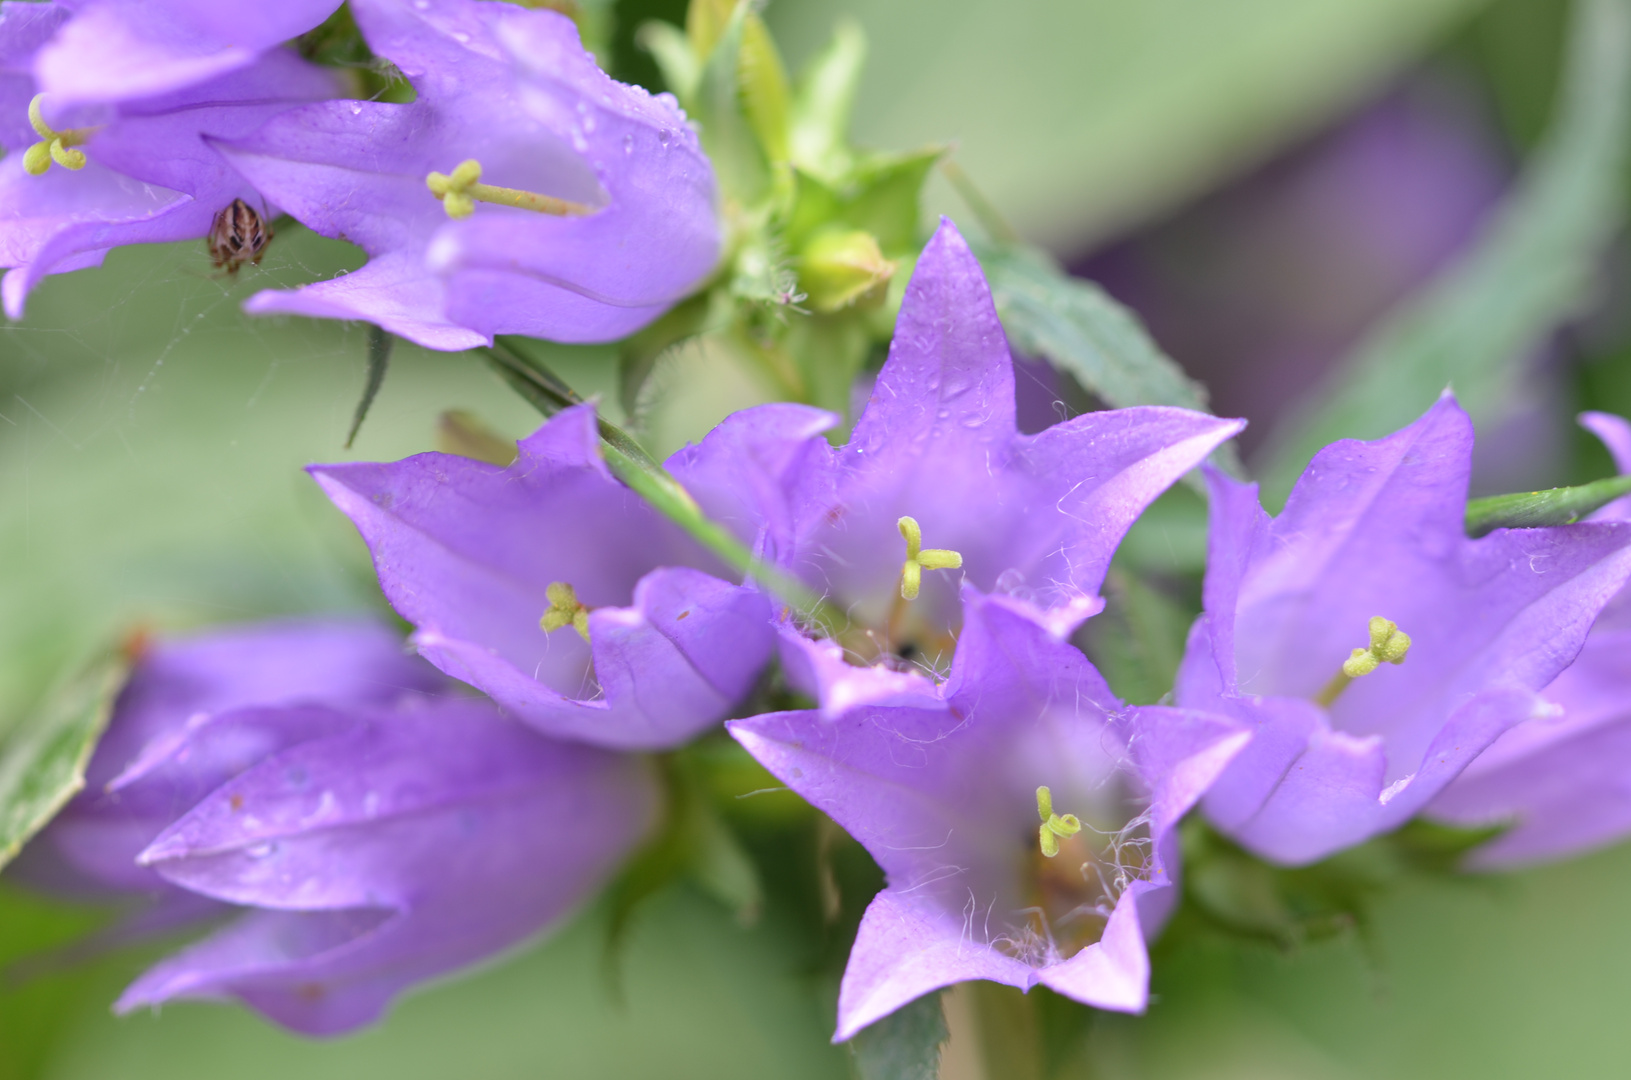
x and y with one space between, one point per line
117 50
80 179
581 208
1562 782
1352 738
376 847
1024 822
89 850
936 478
556 590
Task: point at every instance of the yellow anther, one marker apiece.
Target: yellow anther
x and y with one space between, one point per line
1053 825
462 189
1388 644
564 610
918 559
57 146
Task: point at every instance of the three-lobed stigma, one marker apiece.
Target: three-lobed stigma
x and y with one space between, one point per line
564 610
462 189
919 559
1053 825
57 146
1388 644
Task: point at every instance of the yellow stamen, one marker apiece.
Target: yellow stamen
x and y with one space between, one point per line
918 559
1053 825
461 190
1388 644
564 610
57 146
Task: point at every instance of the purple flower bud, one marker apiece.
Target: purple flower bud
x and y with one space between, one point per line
1036 517
1024 822
588 209
556 590
1373 536
378 847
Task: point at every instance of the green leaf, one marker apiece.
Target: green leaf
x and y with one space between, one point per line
1532 270
379 358
764 88
824 100
42 763
905 1045
676 60
1536 509
1079 329
725 131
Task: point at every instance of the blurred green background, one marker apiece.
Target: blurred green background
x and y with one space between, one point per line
150 444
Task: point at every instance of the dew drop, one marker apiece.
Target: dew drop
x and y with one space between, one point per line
664 136
262 850
628 144
356 109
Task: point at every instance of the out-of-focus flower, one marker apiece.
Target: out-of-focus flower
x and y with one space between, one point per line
118 50
89 850
1024 822
582 207
377 847
1562 782
937 465
1372 647
514 578
80 179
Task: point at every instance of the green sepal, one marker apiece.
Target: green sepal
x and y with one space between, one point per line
43 759
725 131
905 1045
765 95
882 195
1538 509
824 101
676 60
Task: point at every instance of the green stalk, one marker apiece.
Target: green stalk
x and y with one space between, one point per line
629 462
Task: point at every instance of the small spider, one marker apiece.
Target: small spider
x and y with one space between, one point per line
237 236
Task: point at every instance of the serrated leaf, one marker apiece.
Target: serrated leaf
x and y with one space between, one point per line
1537 509
42 763
882 195
824 101
1079 329
905 1045
1530 272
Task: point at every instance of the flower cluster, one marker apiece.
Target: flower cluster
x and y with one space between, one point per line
901 649
521 191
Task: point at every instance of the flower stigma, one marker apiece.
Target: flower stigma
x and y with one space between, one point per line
1053 825
461 190
564 610
919 559
1387 644
54 145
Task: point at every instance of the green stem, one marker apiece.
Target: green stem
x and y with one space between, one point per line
629 462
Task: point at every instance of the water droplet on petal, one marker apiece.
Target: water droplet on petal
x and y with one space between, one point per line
628 144
261 850
665 136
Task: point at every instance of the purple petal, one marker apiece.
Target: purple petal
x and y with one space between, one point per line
118 50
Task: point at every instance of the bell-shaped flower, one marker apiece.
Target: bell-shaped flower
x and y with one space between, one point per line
373 848
1372 646
556 590
936 486
1561 783
1024 822
118 50
89 850
523 191
80 179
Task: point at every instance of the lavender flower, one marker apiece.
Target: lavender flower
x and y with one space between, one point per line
937 468
1562 781
90 849
80 179
377 847
1372 647
582 208
1024 821
517 577
118 50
